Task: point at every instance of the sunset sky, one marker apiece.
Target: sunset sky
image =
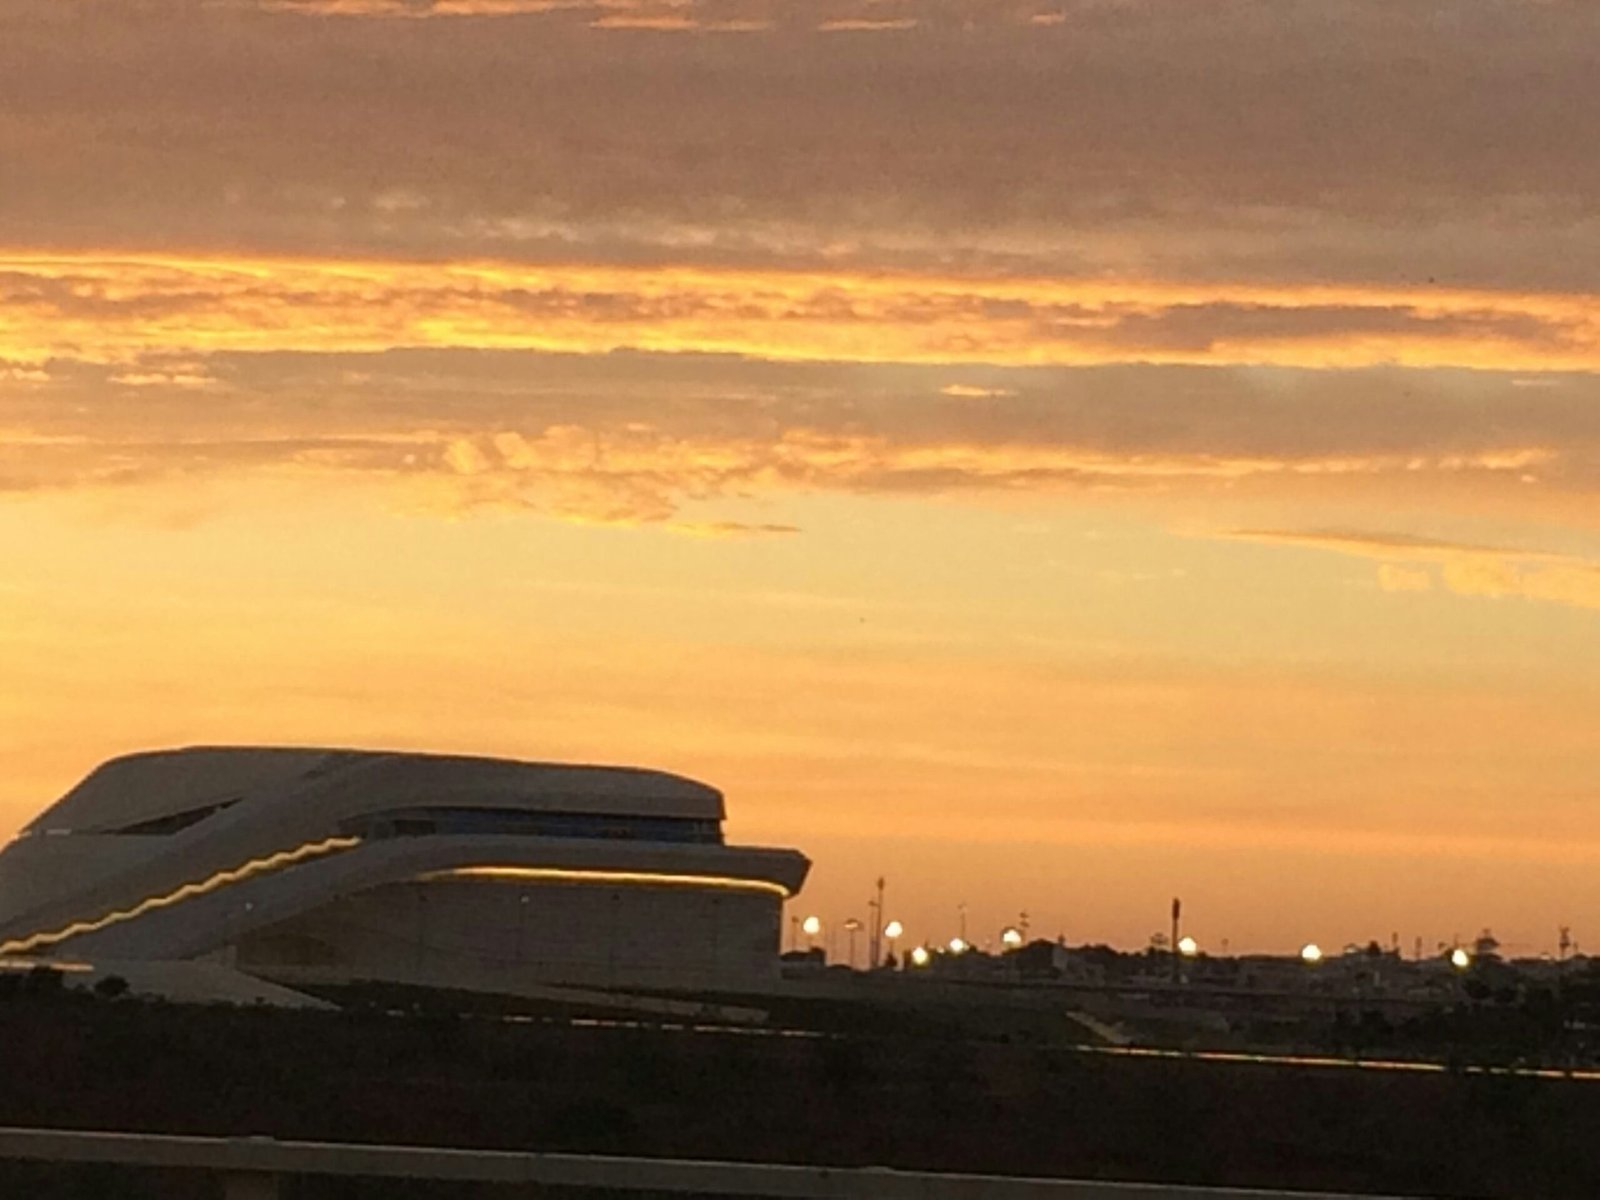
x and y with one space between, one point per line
1056 454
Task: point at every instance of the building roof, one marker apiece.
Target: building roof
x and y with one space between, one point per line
149 786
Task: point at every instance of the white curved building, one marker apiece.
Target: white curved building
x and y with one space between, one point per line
341 865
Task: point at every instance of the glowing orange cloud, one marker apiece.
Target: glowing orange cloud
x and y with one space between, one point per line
109 309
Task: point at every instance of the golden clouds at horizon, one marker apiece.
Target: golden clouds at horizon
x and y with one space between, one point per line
642 474
1491 572
113 307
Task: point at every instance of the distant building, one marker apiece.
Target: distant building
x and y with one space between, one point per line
302 865
1043 959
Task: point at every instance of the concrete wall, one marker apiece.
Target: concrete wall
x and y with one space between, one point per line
481 934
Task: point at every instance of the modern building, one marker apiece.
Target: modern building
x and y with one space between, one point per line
307 865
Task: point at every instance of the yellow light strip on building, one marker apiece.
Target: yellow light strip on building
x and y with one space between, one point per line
573 875
255 866
48 964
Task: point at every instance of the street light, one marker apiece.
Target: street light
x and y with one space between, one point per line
920 956
892 931
1011 936
1460 959
958 945
811 926
1188 947
852 927
1311 953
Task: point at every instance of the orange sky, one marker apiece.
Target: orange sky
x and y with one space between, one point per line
1055 455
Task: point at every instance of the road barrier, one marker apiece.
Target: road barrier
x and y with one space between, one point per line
252 1167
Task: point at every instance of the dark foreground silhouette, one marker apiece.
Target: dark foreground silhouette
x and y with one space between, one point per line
916 1098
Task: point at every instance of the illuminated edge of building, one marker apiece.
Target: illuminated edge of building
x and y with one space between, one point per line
255 866
647 878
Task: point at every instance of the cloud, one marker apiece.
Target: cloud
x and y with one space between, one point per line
867 25
20 373
104 309
1493 572
1286 142
973 392
1396 546
178 375
657 22
650 437
723 529
1395 578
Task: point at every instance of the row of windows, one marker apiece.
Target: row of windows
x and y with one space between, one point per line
423 822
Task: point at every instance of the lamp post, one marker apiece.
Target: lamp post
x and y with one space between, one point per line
874 946
892 931
1177 912
852 927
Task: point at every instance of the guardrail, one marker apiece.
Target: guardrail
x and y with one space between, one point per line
252 1166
